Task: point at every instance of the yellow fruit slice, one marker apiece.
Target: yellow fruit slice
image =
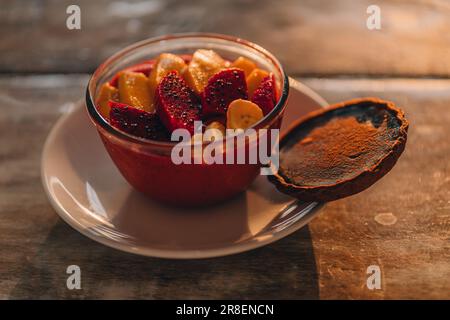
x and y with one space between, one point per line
214 131
216 125
165 63
107 93
254 80
242 114
245 64
203 65
133 90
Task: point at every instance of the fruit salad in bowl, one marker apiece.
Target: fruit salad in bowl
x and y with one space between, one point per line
142 97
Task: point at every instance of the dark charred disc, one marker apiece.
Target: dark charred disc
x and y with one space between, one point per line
341 150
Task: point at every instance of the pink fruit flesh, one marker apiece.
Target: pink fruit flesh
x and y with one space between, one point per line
222 88
176 104
264 95
137 122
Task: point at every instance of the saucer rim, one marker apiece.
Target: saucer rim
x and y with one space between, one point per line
232 249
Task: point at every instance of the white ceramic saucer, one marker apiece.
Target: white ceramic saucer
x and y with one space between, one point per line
88 192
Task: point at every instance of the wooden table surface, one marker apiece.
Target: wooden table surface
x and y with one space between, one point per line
401 224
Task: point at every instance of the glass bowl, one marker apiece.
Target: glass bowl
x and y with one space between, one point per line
146 164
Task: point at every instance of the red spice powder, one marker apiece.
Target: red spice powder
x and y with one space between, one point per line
337 149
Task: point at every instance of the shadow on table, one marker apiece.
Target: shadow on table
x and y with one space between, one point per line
283 270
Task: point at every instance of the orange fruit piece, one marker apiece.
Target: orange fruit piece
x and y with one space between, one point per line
165 63
107 93
133 90
254 80
203 65
243 114
245 64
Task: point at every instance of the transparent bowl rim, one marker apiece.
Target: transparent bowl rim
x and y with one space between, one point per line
103 123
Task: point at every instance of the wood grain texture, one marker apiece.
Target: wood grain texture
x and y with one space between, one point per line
401 223
414 252
319 37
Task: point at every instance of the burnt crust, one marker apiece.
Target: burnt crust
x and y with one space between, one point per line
346 186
